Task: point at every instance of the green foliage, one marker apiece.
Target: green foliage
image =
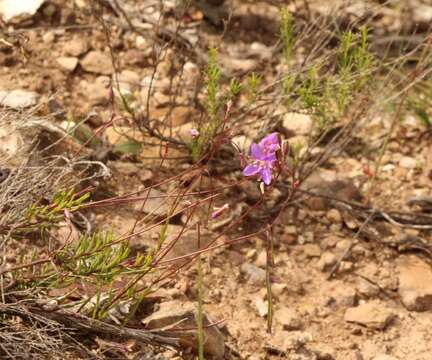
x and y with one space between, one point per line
252 85
216 99
129 147
287 34
208 130
419 107
328 94
50 214
94 255
234 89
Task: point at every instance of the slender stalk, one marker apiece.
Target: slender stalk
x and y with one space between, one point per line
269 265
200 302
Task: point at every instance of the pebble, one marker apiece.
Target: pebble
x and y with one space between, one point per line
11 9
48 37
253 273
184 315
128 81
285 341
407 162
75 47
297 124
312 250
324 352
262 307
289 318
261 259
415 283
373 315
97 62
97 91
67 63
334 216
327 260
18 99
384 357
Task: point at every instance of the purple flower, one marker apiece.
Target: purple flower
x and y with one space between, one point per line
270 144
263 158
193 132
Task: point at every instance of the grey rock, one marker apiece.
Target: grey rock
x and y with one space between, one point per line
12 9
253 273
18 99
174 314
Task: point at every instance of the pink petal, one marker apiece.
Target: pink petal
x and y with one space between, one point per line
256 152
251 170
270 140
266 175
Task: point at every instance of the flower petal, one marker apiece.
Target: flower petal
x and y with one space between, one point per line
271 157
266 175
257 152
251 170
270 140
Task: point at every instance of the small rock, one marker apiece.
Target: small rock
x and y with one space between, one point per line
128 81
372 315
415 283
312 250
11 9
334 216
327 185
48 37
67 63
261 259
75 47
191 73
278 289
407 162
297 124
290 229
183 316
367 289
422 14
234 65
262 307
18 99
327 260
260 50
324 352
254 274
288 318
384 357
135 57
285 341
97 92
97 62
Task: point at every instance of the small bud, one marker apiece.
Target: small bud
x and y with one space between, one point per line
67 214
219 211
194 133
